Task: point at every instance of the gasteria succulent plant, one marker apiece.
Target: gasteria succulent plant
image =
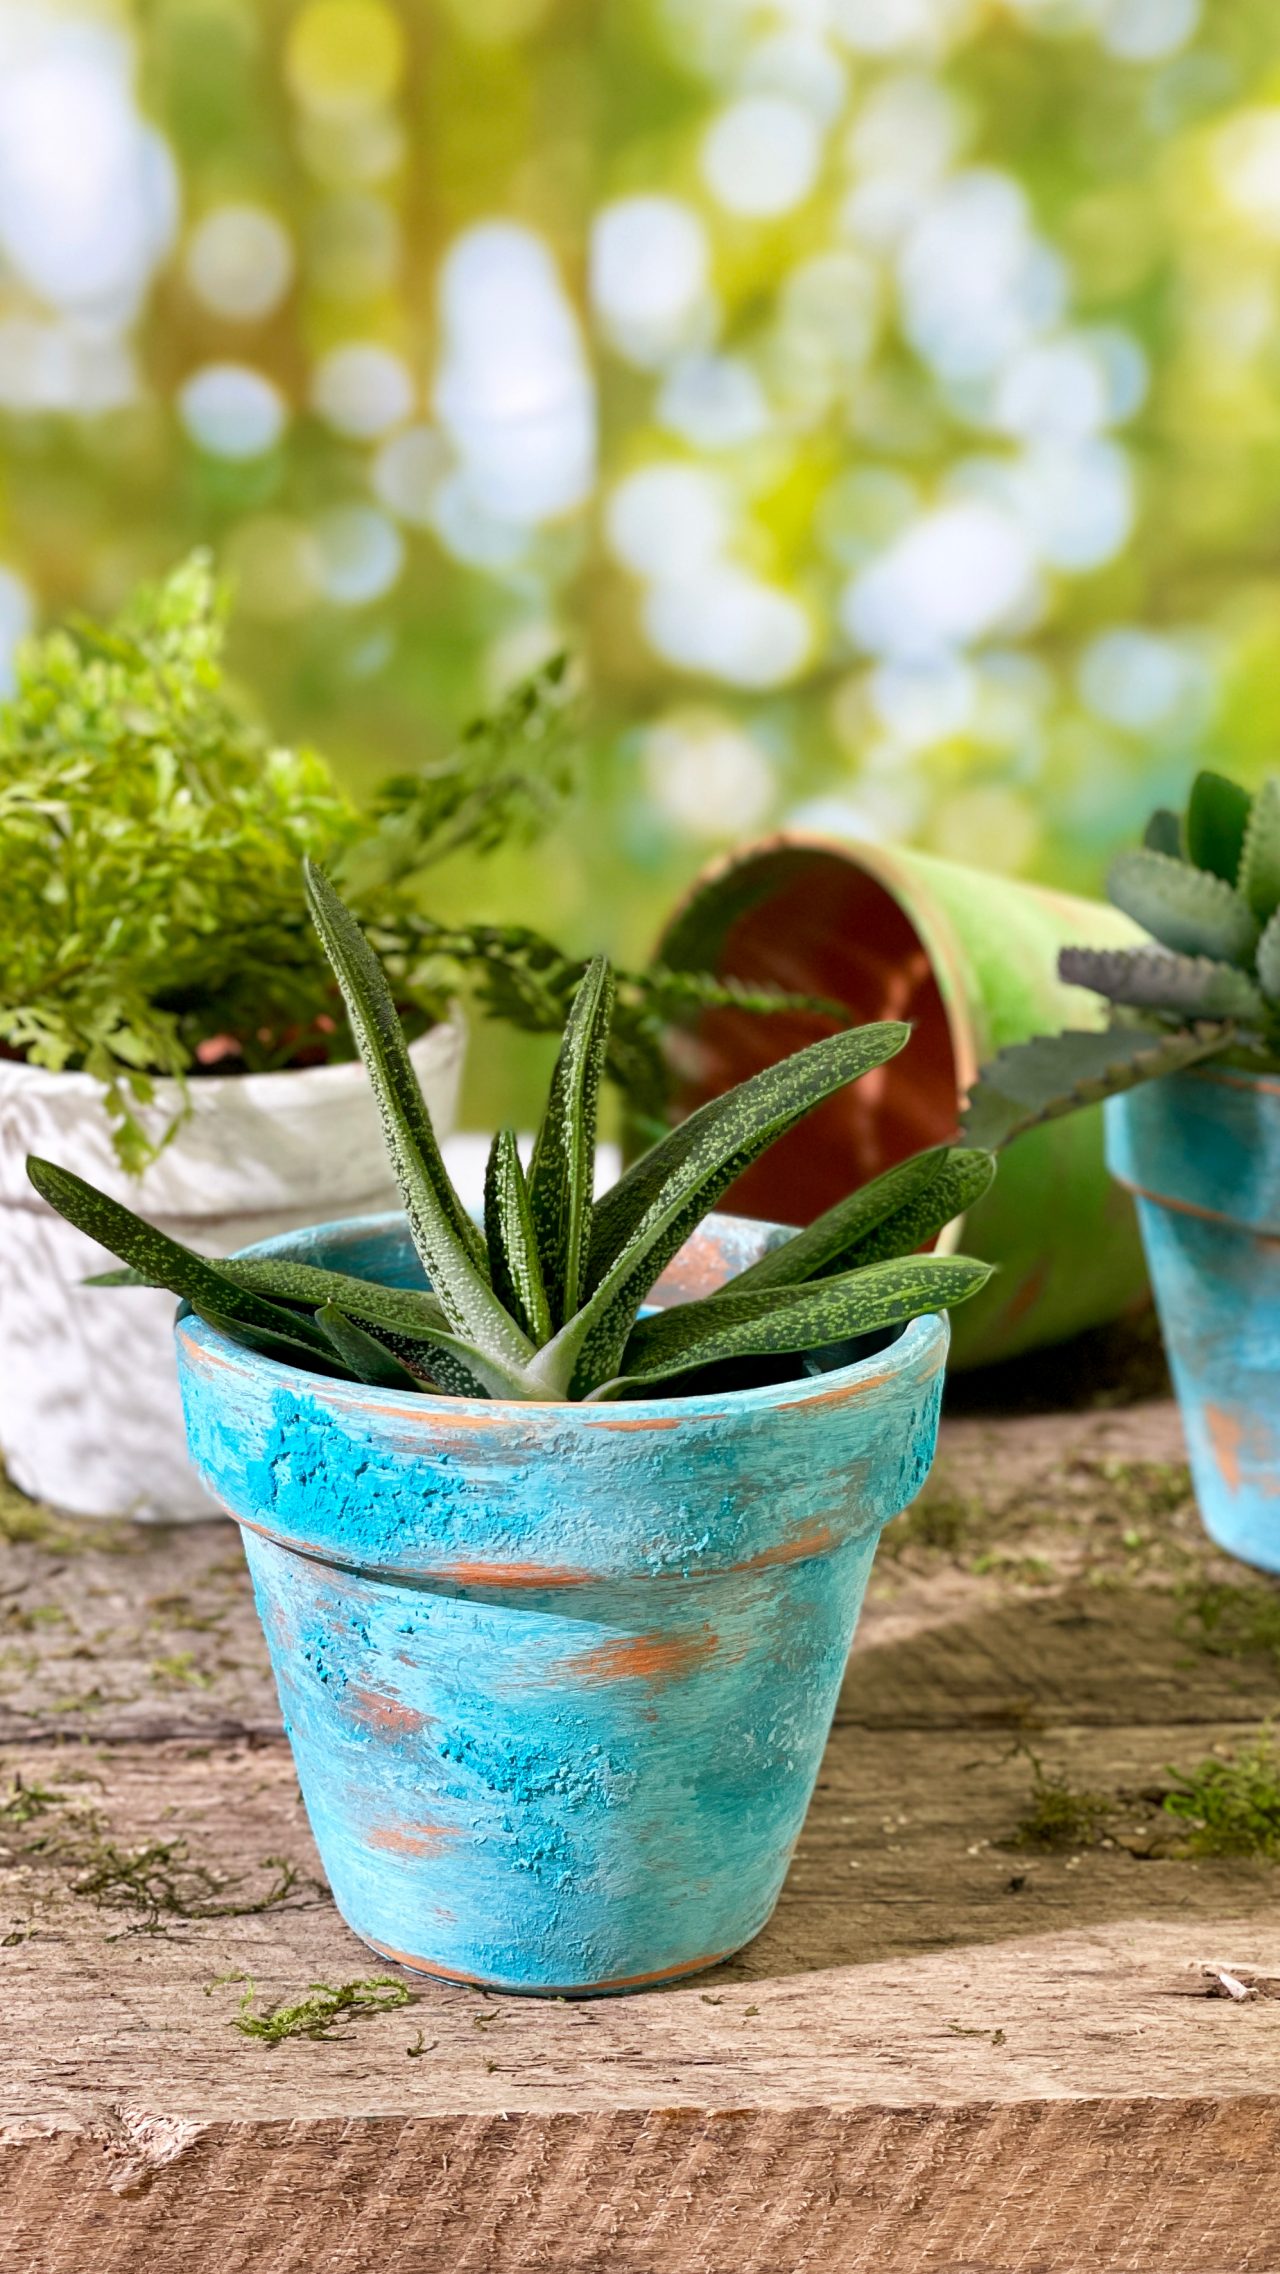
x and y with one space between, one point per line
546 1302
1206 886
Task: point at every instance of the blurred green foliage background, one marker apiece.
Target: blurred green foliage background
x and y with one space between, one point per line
879 395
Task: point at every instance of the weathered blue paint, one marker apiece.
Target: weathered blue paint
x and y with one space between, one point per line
558 1678
1201 1151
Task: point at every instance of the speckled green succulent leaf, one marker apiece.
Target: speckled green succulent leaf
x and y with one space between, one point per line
651 1211
1152 979
160 1261
310 1284
1055 1074
1259 878
513 1246
965 1175
821 1245
1164 833
1217 818
1269 959
367 1359
562 1170
779 1321
285 1349
1185 908
448 1243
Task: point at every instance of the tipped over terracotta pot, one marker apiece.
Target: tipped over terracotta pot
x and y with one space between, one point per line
971 959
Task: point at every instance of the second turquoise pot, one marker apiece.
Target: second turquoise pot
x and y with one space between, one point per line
558 1678
1201 1153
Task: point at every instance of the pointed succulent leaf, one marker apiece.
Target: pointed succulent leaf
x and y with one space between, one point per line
285 1349
124 1277
513 1247
312 1285
965 1175
647 1216
1259 879
1217 818
446 1240
367 1359
1184 908
160 1261
1151 979
821 1245
778 1321
1163 834
563 1166
693 1156
1269 959
1055 1074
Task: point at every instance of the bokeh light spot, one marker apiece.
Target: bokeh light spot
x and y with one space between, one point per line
761 156
344 55
239 262
362 389
232 411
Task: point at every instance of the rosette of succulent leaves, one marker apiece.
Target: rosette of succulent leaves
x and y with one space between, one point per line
151 836
1205 884
547 1301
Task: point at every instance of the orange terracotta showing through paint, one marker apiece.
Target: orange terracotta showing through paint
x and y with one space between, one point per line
819 1541
411 1840
379 1710
559 1990
656 1658
1226 1435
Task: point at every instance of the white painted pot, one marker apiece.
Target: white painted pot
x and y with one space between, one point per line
90 1418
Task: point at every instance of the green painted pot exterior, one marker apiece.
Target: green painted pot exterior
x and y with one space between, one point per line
1064 1238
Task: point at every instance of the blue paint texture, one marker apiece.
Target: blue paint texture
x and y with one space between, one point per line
558 1678
1201 1151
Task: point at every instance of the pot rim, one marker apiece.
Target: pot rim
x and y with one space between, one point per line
915 897
207 1091
919 1352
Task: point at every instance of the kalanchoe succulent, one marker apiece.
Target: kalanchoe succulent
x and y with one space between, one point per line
1206 886
545 1303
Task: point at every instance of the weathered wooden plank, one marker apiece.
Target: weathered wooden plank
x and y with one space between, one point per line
1135 2186
948 2052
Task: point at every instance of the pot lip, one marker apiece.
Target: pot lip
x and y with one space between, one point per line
206 1092
915 896
918 1353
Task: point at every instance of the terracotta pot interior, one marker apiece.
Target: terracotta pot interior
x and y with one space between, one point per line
828 929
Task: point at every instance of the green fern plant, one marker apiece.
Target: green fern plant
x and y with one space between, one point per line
153 920
546 1302
1206 886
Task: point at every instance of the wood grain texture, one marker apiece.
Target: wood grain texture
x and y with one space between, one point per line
948 2053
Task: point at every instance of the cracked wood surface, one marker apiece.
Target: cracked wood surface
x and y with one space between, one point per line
948 2052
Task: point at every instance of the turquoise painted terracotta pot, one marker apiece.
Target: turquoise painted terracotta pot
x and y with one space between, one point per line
1201 1153
558 1678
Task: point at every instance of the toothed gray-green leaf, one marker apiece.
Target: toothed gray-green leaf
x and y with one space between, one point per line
1217 818
513 1247
821 1245
1164 834
779 1321
650 1212
368 1359
448 1243
1259 880
563 1165
1269 959
1185 908
1054 1074
1153 979
160 1261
